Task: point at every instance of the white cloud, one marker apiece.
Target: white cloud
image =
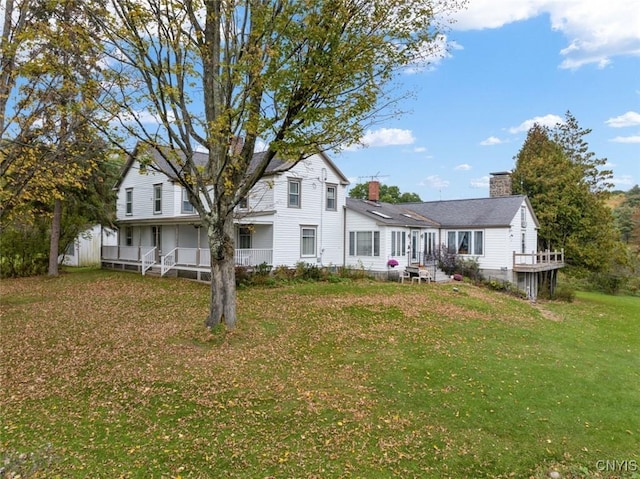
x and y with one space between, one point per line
419 149
547 120
463 167
387 137
623 180
595 31
482 182
434 181
626 139
492 140
630 118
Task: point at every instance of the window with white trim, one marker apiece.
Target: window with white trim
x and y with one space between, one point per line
244 204
308 241
398 243
332 194
294 191
465 242
128 236
364 243
244 237
523 216
128 200
187 207
157 198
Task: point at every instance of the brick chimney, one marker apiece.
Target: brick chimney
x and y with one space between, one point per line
374 191
500 184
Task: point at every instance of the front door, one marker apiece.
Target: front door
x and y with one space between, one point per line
156 240
415 246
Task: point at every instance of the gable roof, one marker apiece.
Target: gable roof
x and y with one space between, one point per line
275 166
476 213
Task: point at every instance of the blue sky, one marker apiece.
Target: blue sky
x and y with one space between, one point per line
510 63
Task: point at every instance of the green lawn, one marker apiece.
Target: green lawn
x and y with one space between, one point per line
113 375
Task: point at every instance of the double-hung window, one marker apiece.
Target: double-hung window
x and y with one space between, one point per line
308 241
332 193
157 198
244 237
398 243
523 216
187 207
128 200
128 236
294 192
364 243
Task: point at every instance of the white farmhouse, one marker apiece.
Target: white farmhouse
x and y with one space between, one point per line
295 213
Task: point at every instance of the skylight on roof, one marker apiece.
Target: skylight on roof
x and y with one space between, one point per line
381 215
408 215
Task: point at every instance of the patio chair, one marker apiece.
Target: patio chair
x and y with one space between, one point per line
404 275
423 274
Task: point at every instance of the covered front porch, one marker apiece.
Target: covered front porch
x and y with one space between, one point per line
183 247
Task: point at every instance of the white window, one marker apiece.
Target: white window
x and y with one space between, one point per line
398 243
308 241
244 237
478 243
128 236
332 193
364 243
465 242
187 207
128 195
524 243
523 216
244 204
157 198
294 193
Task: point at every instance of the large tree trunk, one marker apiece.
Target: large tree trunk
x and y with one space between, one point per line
223 275
54 242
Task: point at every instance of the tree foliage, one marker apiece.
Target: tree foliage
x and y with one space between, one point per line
52 155
388 194
567 189
294 76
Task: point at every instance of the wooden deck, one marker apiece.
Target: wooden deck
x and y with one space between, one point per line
536 262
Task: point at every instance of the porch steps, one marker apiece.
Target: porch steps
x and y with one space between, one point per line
154 272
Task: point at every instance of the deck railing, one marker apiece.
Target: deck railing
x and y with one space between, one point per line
538 258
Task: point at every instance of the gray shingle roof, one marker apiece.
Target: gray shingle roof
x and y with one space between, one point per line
477 212
200 159
390 214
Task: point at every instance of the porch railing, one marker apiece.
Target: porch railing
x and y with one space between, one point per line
148 260
168 261
190 257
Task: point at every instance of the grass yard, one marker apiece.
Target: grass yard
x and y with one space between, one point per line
112 375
